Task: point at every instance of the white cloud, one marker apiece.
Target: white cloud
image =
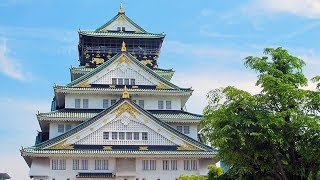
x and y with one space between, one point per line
304 8
9 66
206 12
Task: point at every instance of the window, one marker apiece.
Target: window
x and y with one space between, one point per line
190 165
145 164
149 165
136 136
179 128
101 164
114 81
160 104
174 165
118 28
68 127
121 135
84 164
105 103
144 136
123 28
126 82
58 164
141 103
114 135
186 129
77 103
165 165
168 104
133 81
85 103
153 165
60 128
75 164
106 135
113 101
129 135
120 81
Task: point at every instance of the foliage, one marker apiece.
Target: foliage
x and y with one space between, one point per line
191 177
274 134
214 172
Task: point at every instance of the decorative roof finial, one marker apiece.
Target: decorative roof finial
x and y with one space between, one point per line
125 94
121 10
123 48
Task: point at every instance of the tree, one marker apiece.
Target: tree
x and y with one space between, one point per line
191 177
274 134
214 172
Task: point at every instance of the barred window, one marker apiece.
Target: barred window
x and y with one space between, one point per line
58 164
77 103
165 165
105 103
145 136
174 165
114 81
120 81
190 165
121 135
60 128
85 103
84 164
136 136
101 164
114 135
168 104
75 164
106 135
129 135
160 104
149 165
186 129
126 82
133 81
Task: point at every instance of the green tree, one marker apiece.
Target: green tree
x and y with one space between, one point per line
214 172
274 134
191 177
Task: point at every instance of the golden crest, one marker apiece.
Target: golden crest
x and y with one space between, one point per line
97 61
145 62
84 84
135 87
62 145
107 148
125 107
143 148
87 56
121 18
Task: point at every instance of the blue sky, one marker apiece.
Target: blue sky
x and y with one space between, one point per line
205 43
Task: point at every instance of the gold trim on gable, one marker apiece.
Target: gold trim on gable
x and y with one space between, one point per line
187 147
84 84
125 107
61 145
122 59
162 86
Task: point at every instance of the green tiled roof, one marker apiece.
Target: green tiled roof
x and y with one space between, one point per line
134 60
82 114
121 34
118 91
115 152
101 114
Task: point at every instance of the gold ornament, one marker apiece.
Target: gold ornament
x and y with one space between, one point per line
162 86
62 145
125 94
122 59
187 147
107 148
84 84
123 47
147 61
125 107
143 148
